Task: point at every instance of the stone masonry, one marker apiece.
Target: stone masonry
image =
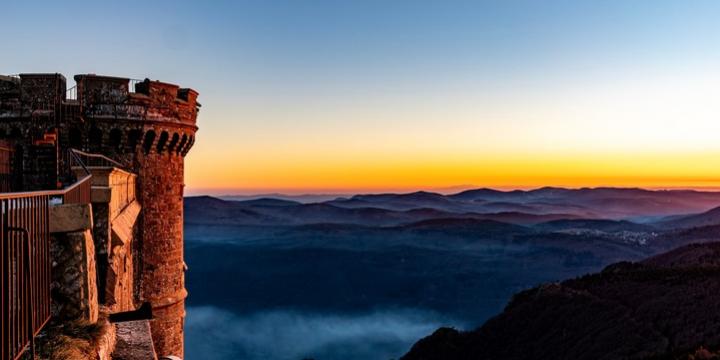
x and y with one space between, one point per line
73 285
148 126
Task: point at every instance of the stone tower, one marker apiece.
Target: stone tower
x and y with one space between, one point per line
149 127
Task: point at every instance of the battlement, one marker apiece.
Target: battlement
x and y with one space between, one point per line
97 96
117 116
106 96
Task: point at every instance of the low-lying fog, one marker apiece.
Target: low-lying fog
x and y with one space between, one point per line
215 334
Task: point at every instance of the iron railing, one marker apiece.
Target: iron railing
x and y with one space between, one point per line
123 191
85 159
25 269
71 93
79 192
25 262
123 187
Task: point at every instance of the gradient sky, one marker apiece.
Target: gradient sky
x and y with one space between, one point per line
358 96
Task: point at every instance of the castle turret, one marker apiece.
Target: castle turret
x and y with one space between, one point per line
148 128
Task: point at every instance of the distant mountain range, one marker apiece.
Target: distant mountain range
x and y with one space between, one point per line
666 209
303 198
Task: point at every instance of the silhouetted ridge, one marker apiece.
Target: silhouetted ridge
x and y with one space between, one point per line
482 194
659 308
269 202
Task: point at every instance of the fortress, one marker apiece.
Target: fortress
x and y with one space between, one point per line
131 136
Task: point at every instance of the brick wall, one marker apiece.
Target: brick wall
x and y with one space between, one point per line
163 278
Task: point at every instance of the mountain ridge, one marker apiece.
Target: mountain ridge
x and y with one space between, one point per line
655 308
524 207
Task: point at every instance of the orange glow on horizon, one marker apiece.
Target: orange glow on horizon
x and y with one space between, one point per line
432 172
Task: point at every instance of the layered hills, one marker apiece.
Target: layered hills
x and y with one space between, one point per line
456 259
671 208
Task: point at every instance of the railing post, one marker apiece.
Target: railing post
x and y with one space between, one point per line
29 304
5 284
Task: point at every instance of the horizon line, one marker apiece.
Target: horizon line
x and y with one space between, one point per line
224 192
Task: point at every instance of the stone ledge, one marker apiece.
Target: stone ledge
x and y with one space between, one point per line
70 218
134 341
122 226
74 283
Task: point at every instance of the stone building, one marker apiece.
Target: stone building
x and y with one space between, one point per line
131 137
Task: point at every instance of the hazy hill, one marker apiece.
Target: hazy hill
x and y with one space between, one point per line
304 198
607 203
617 203
594 224
711 217
267 211
421 199
516 207
658 308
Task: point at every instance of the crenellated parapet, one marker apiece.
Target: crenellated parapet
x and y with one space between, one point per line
125 116
31 95
112 115
122 98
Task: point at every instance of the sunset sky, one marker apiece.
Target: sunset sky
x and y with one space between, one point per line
367 96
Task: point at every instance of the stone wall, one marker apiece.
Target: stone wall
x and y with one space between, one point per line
163 267
117 214
42 91
39 167
120 279
73 286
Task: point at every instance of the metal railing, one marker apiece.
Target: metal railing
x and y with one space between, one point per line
25 268
123 188
92 160
71 93
79 192
25 262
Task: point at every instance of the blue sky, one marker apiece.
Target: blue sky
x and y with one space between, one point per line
282 82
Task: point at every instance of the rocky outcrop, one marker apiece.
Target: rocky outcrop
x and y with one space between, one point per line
664 307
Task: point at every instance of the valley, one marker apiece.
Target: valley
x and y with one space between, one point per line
419 261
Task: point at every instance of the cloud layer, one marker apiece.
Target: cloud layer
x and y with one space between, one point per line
214 334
